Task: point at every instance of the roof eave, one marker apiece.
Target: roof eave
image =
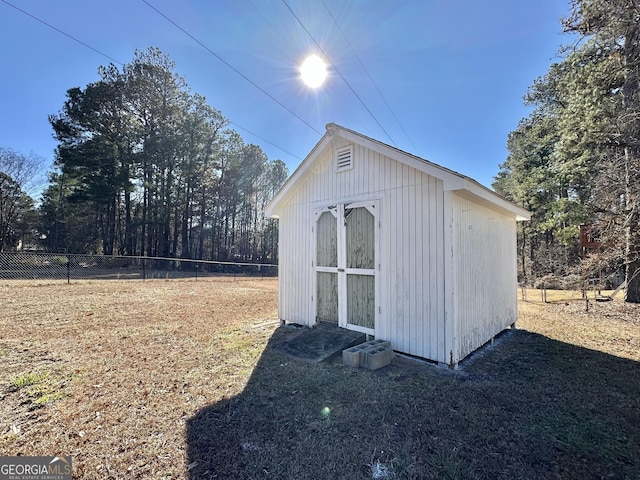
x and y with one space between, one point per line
482 193
271 210
452 180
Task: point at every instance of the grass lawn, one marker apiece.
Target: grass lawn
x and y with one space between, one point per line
178 379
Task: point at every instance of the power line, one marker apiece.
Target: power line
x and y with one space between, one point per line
265 140
232 68
62 33
367 72
122 64
338 71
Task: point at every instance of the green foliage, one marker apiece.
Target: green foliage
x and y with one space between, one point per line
16 208
145 167
27 379
576 158
59 260
40 387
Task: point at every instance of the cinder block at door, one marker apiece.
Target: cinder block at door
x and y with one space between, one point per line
377 357
377 343
352 357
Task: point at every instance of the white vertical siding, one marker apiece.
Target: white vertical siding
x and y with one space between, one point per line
294 271
409 257
450 276
485 282
445 260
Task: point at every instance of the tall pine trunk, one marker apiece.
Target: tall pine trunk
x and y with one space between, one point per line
631 131
632 236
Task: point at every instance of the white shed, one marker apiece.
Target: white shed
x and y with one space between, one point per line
380 241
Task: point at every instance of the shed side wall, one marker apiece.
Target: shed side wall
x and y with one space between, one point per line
294 267
486 280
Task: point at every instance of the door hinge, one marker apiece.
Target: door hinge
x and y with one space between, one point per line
379 309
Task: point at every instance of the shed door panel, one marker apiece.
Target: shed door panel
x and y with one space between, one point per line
345 266
327 304
361 300
360 238
359 224
327 266
327 239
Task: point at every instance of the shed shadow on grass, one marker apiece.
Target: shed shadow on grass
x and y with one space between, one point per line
528 407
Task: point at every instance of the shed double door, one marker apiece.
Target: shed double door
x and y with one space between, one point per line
345 265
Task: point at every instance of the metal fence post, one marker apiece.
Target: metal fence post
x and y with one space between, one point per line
68 270
144 273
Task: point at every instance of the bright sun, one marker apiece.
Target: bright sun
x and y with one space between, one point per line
313 71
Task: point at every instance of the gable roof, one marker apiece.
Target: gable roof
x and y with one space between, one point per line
453 181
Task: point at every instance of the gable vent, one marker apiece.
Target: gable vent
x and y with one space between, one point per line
344 158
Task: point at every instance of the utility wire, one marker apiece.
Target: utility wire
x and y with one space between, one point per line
337 71
232 68
62 33
265 140
368 74
122 64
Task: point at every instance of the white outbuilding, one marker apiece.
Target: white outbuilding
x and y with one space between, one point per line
380 241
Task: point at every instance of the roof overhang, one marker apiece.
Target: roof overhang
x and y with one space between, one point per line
452 181
482 195
301 172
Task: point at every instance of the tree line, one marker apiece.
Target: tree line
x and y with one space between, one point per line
145 167
19 175
575 160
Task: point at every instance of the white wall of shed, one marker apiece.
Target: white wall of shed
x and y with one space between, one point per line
410 304
294 267
485 279
413 264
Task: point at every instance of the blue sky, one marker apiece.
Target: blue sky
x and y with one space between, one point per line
450 75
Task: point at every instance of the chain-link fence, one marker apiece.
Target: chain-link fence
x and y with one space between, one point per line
39 266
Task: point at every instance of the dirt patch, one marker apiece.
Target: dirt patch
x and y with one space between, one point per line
179 379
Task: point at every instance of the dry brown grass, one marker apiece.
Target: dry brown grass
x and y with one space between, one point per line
178 379
611 327
131 361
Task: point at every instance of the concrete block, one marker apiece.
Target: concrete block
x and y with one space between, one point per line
352 357
376 357
377 343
